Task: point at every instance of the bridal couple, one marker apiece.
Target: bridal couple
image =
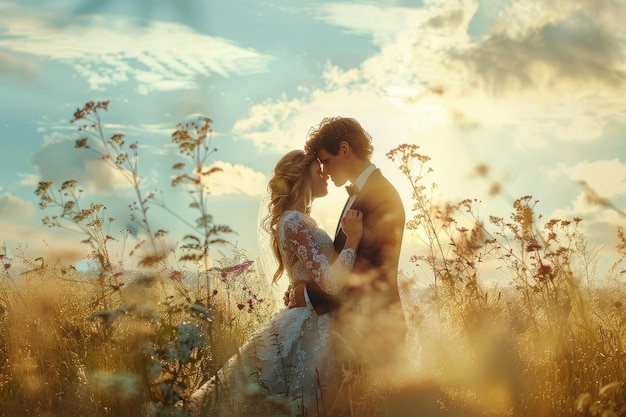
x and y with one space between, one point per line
343 303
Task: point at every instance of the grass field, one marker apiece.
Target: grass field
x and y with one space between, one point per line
138 342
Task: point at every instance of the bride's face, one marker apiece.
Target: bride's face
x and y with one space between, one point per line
319 181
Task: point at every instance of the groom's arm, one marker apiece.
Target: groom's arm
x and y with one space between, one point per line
295 295
321 301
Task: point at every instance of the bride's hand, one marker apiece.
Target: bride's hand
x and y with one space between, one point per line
352 224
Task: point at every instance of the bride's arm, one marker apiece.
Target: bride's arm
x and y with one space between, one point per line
329 276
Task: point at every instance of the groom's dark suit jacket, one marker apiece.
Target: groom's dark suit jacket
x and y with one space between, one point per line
373 286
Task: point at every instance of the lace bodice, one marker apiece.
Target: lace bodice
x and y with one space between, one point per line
308 253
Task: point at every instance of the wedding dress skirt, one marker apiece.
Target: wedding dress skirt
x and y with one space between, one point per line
272 371
286 367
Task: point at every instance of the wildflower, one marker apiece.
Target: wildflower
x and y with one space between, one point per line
81 143
533 247
239 268
176 275
544 269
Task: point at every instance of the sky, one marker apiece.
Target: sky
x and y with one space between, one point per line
531 89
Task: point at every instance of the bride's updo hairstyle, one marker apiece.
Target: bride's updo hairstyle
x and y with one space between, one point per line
289 188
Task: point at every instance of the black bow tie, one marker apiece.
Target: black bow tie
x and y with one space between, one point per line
352 189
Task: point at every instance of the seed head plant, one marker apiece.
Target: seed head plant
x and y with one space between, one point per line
455 239
193 138
547 326
124 159
89 221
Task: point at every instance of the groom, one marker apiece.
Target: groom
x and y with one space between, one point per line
369 310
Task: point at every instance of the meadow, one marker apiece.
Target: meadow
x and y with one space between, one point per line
137 342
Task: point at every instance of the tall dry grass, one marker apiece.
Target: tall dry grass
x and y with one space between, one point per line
71 347
134 343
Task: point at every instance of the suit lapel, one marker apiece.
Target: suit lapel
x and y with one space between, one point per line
340 236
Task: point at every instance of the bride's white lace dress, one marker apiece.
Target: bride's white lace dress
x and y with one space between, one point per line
285 366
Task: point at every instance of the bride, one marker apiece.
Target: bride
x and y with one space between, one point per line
286 367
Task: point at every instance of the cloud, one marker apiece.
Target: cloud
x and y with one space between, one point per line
603 190
600 203
382 23
271 124
109 49
16 232
58 161
606 177
425 86
12 206
283 124
599 228
31 242
150 130
30 180
576 51
17 68
543 75
235 179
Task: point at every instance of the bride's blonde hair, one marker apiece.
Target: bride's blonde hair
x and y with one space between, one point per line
289 187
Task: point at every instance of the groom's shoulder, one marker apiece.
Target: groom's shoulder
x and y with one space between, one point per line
383 192
380 183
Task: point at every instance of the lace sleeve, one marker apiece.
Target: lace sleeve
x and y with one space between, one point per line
299 239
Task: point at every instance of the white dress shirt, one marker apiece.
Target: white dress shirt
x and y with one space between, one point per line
359 183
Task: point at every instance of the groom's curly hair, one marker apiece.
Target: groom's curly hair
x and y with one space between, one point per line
334 130
289 185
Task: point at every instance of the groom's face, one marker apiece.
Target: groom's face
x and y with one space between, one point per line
332 167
